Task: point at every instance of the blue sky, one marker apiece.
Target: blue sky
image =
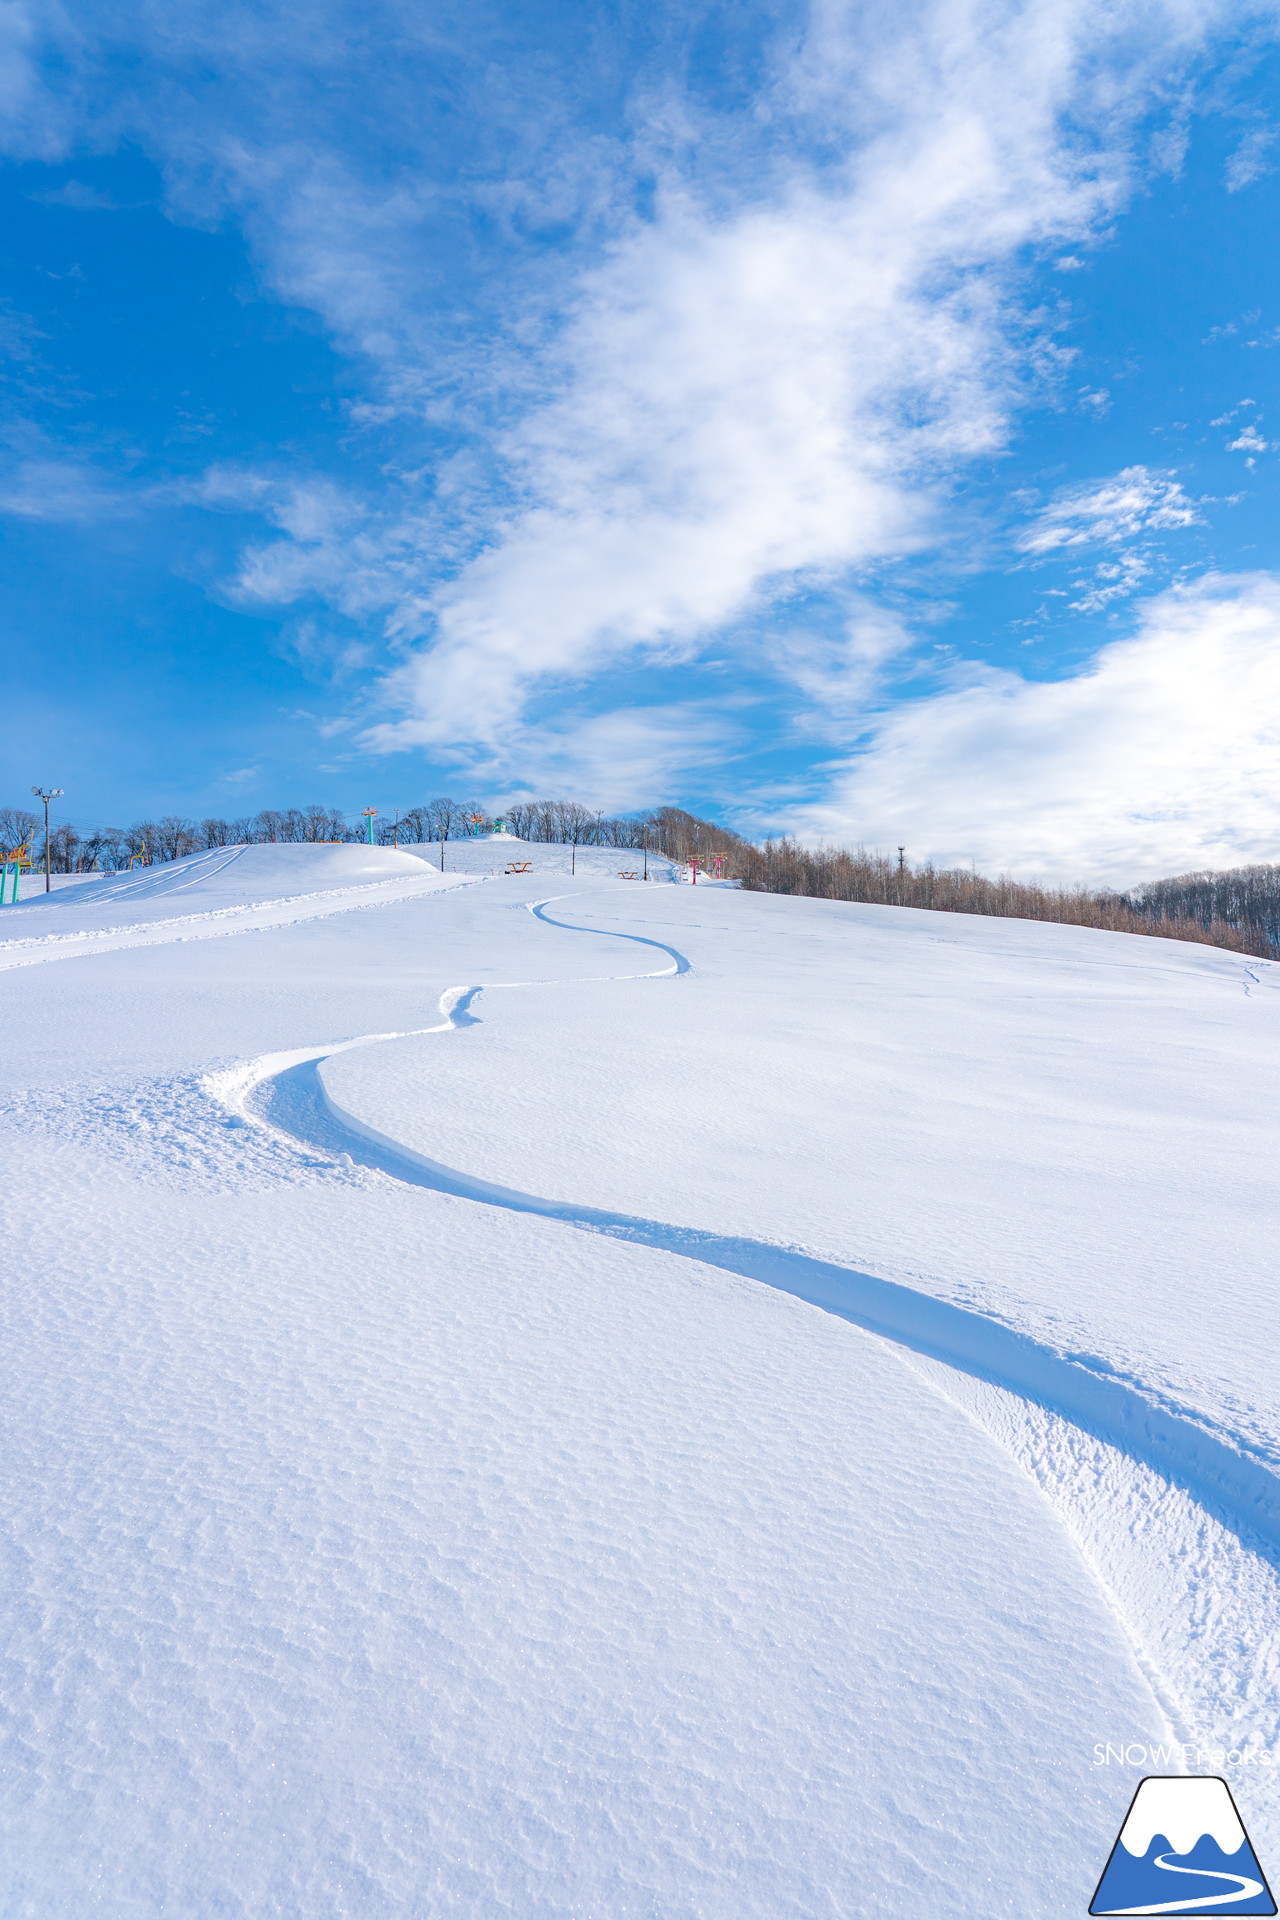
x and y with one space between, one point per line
846 420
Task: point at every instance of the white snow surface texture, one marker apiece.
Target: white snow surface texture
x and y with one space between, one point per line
542 1395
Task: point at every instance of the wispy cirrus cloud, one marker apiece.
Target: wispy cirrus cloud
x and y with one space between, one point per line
621 757
79 198
1121 515
1255 156
62 490
1136 500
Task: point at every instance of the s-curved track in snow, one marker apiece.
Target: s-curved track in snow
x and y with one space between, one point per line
286 1093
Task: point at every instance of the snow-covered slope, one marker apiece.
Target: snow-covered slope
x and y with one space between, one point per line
493 853
430 1490
226 890
206 882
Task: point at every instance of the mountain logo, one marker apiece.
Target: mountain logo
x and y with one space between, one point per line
1182 1850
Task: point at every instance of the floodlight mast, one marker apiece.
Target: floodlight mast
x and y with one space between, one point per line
54 793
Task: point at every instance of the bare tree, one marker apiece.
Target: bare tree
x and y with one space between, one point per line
322 824
64 849
103 850
18 828
174 838
416 826
1242 896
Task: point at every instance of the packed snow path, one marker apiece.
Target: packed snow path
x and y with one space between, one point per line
374 1551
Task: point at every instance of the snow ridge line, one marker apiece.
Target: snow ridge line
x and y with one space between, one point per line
1236 1484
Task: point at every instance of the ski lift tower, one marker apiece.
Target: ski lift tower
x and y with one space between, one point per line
370 814
12 866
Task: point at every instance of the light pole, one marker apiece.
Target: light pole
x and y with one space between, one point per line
54 793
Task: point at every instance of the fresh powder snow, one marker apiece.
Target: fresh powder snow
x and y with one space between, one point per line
539 1394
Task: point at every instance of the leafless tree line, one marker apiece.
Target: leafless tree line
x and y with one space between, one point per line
172 837
1218 910
1241 896
669 831
1238 909
665 830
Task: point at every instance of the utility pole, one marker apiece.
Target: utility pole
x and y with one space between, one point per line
54 793
902 873
370 814
644 842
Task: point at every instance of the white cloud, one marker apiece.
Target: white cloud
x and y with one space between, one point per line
616 761
751 397
1223 419
1112 580
1252 158
35 123
1160 756
336 548
771 380
836 674
1249 440
768 383
79 197
1136 500
62 490
1169 145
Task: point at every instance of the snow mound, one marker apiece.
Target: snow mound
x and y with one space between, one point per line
491 854
251 871
270 884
